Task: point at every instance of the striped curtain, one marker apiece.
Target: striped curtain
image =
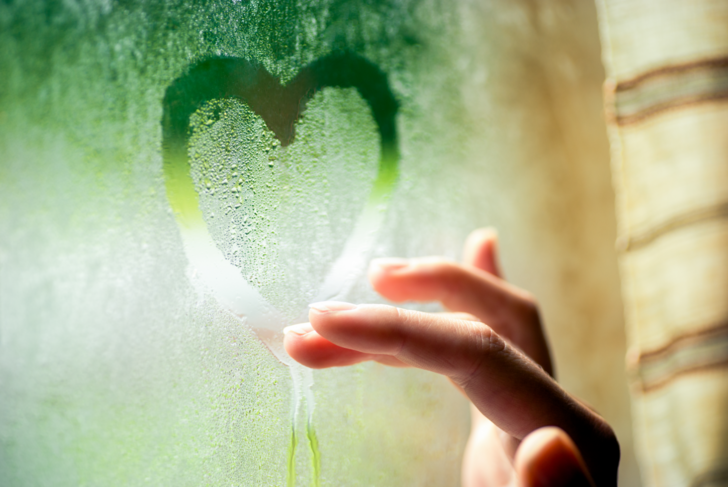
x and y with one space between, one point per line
667 105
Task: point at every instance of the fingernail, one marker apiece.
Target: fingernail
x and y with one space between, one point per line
327 306
391 263
299 329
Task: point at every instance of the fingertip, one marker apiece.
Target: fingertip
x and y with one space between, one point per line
294 341
304 345
384 276
547 457
388 264
484 232
481 250
299 329
329 306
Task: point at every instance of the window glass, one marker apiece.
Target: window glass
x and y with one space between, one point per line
179 180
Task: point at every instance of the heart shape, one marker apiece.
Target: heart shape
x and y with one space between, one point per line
204 91
282 214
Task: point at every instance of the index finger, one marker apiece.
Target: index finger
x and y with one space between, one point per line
506 386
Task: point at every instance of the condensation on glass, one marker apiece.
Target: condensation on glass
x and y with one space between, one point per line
179 181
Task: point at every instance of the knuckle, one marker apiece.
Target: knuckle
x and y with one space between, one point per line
530 306
487 343
529 300
491 341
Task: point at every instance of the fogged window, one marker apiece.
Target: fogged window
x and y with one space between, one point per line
179 181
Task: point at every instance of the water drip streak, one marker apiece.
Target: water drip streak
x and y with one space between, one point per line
315 455
291 460
302 379
310 432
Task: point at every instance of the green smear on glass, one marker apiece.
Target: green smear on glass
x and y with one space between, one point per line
313 446
315 455
291 477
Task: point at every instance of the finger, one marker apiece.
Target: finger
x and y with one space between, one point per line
457 287
481 251
548 458
483 444
511 312
456 315
470 353
507 387
309 348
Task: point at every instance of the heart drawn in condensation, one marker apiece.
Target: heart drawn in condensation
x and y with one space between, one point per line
281 108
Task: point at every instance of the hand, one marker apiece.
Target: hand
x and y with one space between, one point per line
526 429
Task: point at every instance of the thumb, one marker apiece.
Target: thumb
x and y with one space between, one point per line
481 251
548 458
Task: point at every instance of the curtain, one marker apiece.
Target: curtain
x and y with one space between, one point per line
666 96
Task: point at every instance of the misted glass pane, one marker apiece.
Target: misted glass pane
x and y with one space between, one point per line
179 180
